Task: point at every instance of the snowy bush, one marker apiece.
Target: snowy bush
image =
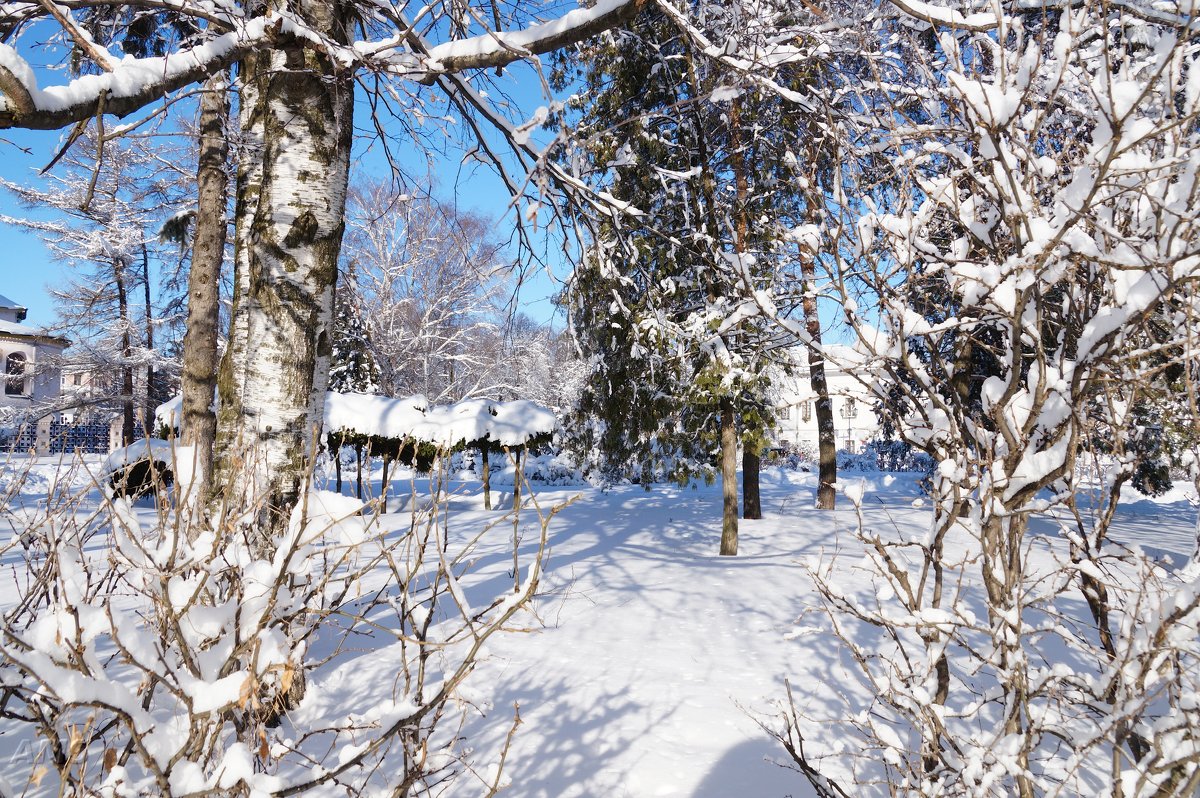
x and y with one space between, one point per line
1016 204
150 652
856 461
139 469
544 469
898 456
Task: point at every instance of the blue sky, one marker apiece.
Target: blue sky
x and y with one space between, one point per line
28 269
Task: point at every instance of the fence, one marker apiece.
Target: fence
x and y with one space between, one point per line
65 438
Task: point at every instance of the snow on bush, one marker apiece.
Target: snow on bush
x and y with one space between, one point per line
154 653
551 469
1017 209
544 469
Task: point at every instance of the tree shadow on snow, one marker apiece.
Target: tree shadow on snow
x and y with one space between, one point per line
753 762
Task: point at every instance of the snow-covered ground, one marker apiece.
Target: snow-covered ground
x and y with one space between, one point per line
651 660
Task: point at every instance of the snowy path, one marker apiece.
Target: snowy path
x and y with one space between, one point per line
657 654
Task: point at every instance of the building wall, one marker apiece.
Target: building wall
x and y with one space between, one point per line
854 421
42 381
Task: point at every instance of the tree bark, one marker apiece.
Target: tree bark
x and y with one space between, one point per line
826 435
383 483
517 478
127 421
358 462
486 476
751 495
729 516
751 506
199 421
297 113
151 403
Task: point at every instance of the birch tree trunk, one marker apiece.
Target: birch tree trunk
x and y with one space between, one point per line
296 117
199 422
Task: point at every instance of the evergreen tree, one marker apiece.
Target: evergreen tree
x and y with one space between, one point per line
352 368
677 358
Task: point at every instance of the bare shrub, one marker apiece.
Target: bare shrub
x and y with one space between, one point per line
148 652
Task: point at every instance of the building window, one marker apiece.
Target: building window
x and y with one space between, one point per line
785 413
14 374
850 409
805 411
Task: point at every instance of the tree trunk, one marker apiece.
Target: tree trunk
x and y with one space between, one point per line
127 422
383 484
751 465
486 476
729 516
198 424
1195 560
151 403
517 479
296 118
358 462
337 468
751 506
826 435
1003 569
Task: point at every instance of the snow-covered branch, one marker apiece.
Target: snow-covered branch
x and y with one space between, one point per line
130 83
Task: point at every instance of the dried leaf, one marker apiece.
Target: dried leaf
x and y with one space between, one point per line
264 750
246 693
285 681
110 759
76 741
38 774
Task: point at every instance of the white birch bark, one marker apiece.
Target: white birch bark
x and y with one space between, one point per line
296 113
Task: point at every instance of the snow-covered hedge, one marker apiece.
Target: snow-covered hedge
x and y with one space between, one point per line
513 423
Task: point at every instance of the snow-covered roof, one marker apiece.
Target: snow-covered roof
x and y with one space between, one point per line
505 423
8 304
846 357
27 331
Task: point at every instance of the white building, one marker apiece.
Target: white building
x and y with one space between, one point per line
29 358
854 420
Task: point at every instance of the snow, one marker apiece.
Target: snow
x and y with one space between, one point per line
511 423
649 660
519 40
170 413
13 328
147 448
130 76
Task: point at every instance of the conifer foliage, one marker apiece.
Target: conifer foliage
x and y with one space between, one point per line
653 305
352 367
